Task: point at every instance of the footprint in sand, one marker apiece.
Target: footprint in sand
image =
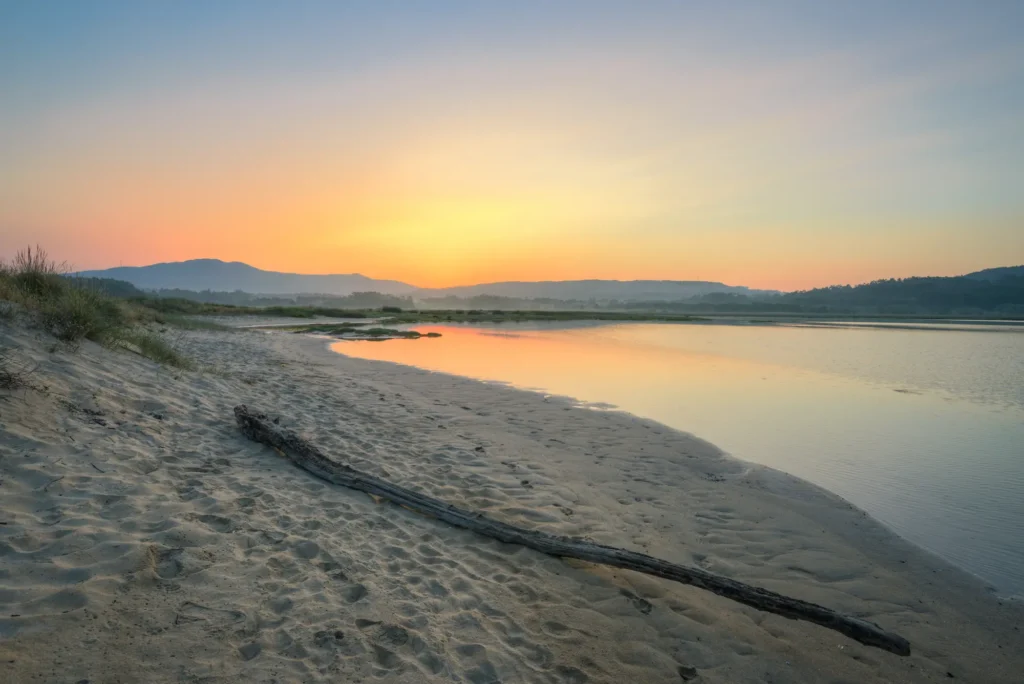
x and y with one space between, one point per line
641 604
306 549
571 675
212 619
355 593
173 563
217 523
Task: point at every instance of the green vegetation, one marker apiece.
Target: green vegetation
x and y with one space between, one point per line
519 316
357 301
993 294
189 307
73 313
184 303
117 314
73 309
998 294
358 331
325 328
391 332
396 315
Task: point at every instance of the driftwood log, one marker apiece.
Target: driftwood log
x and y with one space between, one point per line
259 428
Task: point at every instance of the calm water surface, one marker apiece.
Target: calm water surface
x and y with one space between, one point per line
924 429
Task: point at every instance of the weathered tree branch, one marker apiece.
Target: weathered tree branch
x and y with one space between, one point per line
259 428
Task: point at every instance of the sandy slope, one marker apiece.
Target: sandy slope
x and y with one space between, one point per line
173 550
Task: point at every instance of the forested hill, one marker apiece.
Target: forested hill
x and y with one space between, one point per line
1001 292
997 273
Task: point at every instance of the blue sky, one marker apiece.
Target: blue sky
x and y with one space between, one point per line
775 144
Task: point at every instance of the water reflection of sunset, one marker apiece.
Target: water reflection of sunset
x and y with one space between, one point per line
818 403
605 364
546 359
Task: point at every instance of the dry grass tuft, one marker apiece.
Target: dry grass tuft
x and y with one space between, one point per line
72 310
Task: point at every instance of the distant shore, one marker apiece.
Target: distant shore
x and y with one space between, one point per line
396 326
154 543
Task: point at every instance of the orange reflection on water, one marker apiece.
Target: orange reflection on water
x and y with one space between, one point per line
589 363
938 459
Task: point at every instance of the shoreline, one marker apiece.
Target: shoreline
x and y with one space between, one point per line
784 480
603 407
419 602
928 447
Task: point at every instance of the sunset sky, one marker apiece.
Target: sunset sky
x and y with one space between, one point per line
770 144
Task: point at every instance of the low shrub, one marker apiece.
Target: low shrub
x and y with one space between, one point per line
74 313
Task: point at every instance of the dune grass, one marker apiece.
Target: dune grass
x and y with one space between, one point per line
149 344
71 314
72 311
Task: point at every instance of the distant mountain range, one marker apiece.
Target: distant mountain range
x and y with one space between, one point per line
213 274
993 290
227 276
600 290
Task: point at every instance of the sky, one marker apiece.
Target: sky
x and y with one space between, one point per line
773 144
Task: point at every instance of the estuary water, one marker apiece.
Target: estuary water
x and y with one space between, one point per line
923 428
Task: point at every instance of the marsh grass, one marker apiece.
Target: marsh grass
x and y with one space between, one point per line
73 310
359 331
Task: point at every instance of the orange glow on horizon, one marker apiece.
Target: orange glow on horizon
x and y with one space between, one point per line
513 143
528 193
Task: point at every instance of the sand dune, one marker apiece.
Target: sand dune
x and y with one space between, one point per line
145 540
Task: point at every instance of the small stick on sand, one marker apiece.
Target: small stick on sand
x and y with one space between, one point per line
260 428
56 479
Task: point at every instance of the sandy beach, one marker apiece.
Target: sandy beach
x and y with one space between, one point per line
144 539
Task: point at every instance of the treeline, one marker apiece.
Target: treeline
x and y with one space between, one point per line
500 303
107 286
953 296
356 300
998 294
957 295
183 301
